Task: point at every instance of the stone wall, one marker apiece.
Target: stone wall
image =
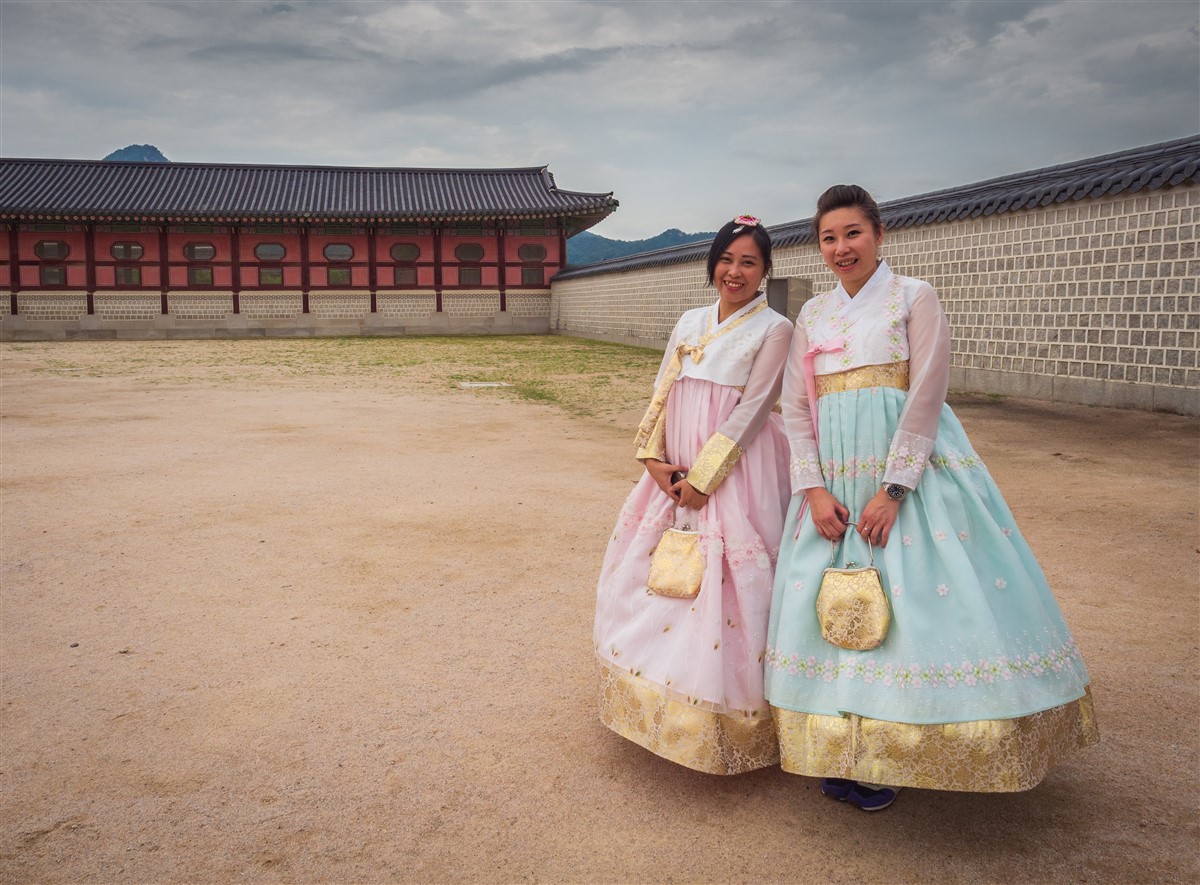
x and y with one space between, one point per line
45 316
1092 301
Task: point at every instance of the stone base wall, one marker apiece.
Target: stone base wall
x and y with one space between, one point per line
45 316
1093 301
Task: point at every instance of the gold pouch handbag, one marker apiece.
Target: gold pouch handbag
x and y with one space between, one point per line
852 607
676 565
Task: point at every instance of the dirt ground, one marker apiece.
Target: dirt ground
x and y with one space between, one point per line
272 627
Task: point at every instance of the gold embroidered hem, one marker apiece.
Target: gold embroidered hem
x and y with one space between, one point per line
987 756
693 735
714 463
887 375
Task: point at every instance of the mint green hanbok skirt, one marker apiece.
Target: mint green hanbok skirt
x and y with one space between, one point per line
979 685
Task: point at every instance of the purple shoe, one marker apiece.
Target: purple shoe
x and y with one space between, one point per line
871 799
837 788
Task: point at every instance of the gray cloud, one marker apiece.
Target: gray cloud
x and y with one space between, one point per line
690 111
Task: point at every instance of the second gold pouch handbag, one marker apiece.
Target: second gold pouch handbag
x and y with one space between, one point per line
676 564
852 607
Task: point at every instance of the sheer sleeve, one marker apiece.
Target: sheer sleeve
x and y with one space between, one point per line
805 467
928 381
723 449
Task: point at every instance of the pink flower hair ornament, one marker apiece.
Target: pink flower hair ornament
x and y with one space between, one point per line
747 221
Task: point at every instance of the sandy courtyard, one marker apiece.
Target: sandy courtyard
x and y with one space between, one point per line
274 625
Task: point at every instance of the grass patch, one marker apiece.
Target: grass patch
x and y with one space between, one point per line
582 377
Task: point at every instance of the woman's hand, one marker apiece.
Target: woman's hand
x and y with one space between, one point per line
689 497
829 514
878 517
661 472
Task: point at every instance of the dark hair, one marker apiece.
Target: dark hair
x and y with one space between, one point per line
847 196
730 232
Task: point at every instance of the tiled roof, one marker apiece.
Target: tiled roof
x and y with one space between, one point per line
96 190
1166 164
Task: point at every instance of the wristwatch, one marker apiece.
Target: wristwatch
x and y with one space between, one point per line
895 491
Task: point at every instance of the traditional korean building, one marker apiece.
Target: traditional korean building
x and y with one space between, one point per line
160 250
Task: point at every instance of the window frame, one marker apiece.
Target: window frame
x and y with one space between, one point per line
190 245
47 272
113 249
270 258
38 250
274 269
194 271
416 256
133 270
473 259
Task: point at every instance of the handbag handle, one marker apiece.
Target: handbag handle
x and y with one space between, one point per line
833 548
687 521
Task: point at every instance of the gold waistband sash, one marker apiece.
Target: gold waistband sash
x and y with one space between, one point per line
888 375
651 439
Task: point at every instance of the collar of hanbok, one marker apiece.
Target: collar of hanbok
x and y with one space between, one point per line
715 311
873 290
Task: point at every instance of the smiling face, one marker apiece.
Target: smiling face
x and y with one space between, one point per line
850 246
738 273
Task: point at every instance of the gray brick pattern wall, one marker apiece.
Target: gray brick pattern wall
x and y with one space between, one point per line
271 305
200 305
471 304
1092 301
405 305
339 306
127 306
52 305
529 304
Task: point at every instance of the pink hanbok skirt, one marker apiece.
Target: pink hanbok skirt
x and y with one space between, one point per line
684 677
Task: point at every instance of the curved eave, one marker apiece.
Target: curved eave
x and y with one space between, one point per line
577 219
157 192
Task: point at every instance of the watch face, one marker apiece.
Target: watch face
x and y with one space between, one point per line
895 492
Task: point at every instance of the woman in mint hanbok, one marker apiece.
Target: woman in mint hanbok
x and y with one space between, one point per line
684 677
978 685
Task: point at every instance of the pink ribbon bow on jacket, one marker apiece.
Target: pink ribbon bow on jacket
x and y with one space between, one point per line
833 345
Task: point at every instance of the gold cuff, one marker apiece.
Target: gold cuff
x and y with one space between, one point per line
715 462
655 445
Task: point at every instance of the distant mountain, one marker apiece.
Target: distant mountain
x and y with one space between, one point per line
586 248
138 153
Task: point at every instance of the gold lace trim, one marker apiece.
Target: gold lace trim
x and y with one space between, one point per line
887 375
985 756
690 734
714 463
651 437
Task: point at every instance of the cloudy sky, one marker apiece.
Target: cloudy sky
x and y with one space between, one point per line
691 112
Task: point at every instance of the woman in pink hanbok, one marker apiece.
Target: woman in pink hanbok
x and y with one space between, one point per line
684 677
